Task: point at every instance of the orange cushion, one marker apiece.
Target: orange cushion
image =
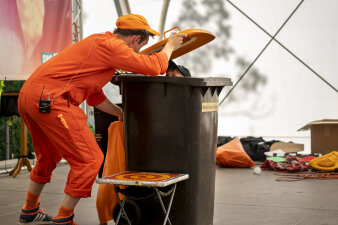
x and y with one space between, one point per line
232 154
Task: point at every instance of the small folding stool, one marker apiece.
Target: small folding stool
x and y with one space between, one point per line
156 181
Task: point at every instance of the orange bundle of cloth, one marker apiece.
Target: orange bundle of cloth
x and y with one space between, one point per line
115 163
328 162
232 154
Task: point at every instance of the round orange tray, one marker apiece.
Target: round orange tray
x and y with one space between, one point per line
195 39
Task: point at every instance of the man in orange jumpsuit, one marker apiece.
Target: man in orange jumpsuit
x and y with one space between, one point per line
49 104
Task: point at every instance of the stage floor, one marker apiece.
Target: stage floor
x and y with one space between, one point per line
241 198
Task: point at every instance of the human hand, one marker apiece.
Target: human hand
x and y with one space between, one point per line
175 40
120 114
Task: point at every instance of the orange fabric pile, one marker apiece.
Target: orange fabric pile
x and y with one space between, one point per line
232 154
115 163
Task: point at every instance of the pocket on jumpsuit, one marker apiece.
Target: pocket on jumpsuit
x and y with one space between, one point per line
75 122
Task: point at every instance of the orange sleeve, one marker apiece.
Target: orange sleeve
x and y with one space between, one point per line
120 56
96 98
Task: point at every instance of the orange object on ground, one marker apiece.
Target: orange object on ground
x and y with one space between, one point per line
307 158
76 74
115 163
286 176
232 154
327 162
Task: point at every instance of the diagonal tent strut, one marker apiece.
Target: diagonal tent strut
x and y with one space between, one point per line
283 46
273 38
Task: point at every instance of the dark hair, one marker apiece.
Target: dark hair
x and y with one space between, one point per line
184 71
125 32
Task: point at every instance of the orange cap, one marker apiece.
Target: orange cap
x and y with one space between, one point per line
134 22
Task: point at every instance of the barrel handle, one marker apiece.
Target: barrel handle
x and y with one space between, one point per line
171 30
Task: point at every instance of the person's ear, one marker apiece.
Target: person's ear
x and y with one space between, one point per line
138 39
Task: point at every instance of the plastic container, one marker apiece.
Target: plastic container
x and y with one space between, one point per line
170 125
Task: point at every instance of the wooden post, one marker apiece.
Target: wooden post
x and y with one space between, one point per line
23 160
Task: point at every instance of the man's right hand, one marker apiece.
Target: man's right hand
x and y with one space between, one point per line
174 42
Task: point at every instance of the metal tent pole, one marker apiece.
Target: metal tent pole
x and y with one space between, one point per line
163 17
122 7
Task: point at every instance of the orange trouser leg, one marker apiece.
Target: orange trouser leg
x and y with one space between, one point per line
61 133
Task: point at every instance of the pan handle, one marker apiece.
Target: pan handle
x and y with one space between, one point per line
171 30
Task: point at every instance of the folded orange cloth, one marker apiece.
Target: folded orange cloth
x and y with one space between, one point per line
328 162
232 154
115 163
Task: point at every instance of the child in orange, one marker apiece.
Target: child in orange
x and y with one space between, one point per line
58 127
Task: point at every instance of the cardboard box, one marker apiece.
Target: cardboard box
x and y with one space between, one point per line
287 147
324 135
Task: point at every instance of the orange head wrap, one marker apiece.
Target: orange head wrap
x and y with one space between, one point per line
134 22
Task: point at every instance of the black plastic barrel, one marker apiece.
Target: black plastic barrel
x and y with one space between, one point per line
170 125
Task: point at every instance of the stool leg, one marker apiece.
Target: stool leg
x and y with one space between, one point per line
120 212
121 203
169 206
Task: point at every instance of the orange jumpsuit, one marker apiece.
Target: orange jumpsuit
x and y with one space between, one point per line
63 133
